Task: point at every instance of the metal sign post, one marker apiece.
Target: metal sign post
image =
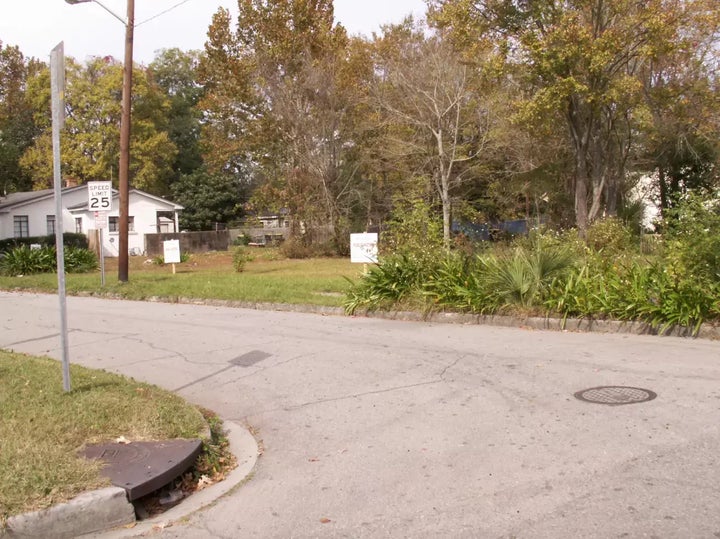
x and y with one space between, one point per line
57 86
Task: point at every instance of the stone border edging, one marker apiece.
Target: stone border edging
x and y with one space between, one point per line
707 331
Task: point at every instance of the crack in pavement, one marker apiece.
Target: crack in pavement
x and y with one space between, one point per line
265 368
232 366
36 339
26 341
440 378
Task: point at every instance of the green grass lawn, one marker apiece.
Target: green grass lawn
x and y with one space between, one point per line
43 427
266 278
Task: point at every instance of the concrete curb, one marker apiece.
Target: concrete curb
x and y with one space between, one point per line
707 331
552 324
96 513
89 512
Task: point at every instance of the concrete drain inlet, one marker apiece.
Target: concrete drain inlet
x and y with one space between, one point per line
615 395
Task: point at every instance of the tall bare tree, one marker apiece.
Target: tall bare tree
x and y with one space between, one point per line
442 118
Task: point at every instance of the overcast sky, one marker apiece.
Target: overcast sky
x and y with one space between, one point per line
36 26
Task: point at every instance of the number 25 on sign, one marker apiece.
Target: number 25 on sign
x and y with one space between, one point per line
99 196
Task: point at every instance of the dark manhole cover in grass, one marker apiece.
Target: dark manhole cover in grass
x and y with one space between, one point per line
615 395
142 467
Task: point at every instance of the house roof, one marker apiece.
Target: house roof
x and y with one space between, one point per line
156 198
28 197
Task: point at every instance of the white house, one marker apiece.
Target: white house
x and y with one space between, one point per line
33 214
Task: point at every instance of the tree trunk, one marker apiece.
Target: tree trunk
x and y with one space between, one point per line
446 220
664 202
581 195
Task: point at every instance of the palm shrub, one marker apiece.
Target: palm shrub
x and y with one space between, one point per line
524 276
488 283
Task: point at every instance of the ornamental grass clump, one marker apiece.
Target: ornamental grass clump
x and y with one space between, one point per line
27 261
394 279
636 291
458 285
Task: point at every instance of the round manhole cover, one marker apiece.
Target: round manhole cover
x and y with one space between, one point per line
615 395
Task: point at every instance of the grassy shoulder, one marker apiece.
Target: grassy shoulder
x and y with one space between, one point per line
43 427
267 277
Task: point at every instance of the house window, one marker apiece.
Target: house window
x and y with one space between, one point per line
114 224
50 220
78 225
21 228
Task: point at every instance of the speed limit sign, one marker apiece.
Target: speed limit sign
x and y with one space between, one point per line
99 196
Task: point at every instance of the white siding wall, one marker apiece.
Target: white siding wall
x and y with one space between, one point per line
37 213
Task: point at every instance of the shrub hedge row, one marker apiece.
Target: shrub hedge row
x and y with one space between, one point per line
70 239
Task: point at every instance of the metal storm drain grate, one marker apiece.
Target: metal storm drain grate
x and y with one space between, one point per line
615 395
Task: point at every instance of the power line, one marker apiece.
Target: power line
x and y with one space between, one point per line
162 12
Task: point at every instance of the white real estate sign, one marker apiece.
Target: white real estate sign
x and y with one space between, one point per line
99 196
171 251
364 248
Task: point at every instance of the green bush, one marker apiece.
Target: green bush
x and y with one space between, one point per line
25 261
692 240
414 230
609 279
296 248
611 236
519 276
241 256
523 277
242 239
160 259
458 284
78 260
69 240
636 291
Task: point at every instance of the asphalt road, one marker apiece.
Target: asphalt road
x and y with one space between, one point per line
373 428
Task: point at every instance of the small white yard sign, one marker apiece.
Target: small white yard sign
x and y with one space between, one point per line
171 251
364 248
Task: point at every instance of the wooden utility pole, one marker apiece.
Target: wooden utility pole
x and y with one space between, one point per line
124 168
